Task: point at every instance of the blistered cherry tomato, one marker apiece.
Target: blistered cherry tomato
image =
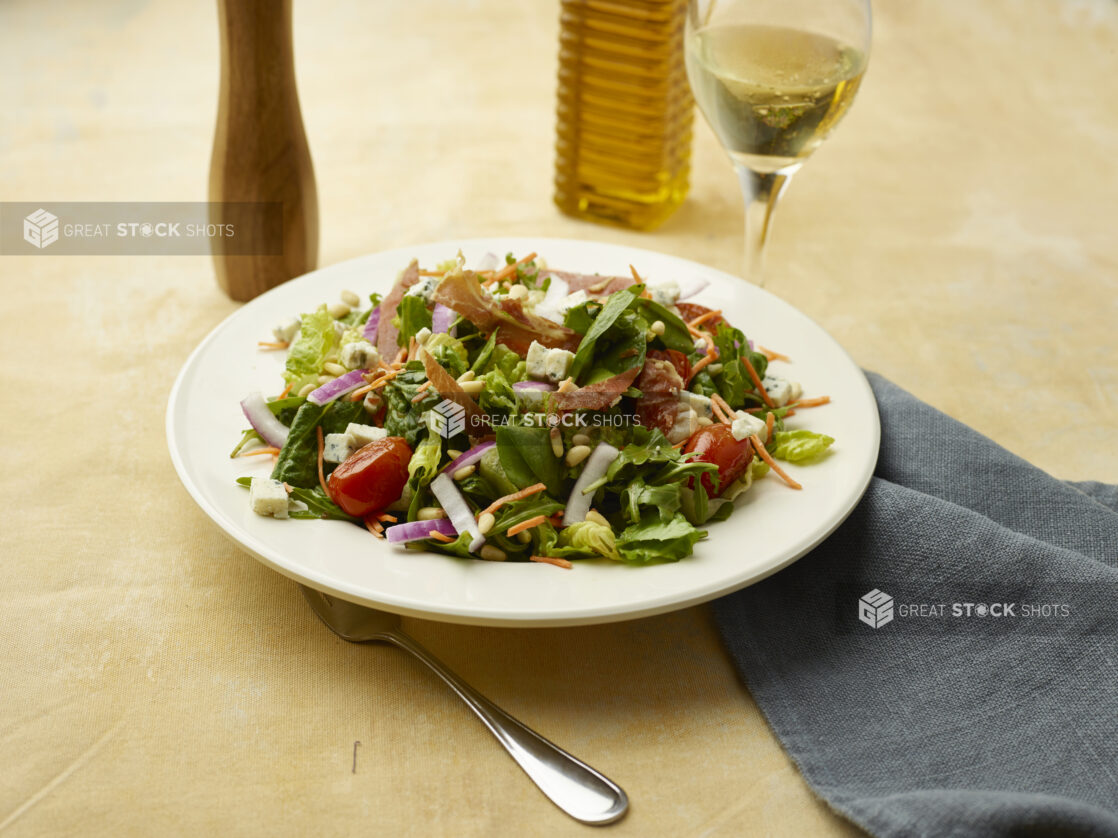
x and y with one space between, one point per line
716 444
372 477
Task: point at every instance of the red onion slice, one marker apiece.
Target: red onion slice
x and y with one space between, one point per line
370 330
338 387
469 458
418 530
441 318
260 416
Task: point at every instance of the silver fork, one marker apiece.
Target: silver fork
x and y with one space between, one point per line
569 783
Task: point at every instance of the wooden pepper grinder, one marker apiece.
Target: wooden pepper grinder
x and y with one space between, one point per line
260 153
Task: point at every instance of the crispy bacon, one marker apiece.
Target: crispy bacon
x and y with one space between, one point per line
660 383
597 396
515 327
387 334
477 423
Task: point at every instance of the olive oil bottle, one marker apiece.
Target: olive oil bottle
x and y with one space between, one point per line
623 143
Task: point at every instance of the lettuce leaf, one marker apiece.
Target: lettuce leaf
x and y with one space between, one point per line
800 446
413 315
498 397
615 304
653 540
527 458
317 339
449 352
589 538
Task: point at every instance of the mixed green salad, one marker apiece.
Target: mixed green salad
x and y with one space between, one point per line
515 412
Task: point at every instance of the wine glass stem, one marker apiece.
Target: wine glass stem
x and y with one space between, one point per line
761 192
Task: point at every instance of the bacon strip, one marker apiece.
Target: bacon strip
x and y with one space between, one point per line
477 423
597 396
593 284
515 327
387 334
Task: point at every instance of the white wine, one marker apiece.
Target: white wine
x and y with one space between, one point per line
771 94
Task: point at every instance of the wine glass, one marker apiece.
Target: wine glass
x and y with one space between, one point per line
773 78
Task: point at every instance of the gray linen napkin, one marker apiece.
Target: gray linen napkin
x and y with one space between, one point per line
1000 719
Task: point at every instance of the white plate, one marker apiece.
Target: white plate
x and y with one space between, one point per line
774 526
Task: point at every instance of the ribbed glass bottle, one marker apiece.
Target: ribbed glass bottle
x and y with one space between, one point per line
623 144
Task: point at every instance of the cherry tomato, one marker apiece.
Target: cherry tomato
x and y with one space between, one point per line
372 477
716 444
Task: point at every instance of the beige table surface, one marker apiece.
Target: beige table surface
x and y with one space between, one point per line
958 235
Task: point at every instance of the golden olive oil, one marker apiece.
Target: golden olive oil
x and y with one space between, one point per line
623 138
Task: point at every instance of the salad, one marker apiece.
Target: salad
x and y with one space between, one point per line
515 412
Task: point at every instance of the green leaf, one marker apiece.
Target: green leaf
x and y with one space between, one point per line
403 417
527 458
414 315
317 339
614 305
498 397
484 354
297 464
247 436
800 446
664 499
589 538
675 334
653 540
622 347
449 352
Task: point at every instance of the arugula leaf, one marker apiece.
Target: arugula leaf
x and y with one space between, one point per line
733 382
414 315
663 498
297 464
484 354
800 446
620 348
247 436
317 339
675 334
614 305
653 540
527 458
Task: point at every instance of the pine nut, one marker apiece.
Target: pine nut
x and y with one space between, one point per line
704 421
464 472
492 554
350 299
517 292
430 513
577 454
468 375
325 379
485 522
472 387
657 327
580 439
523 537
453 453
596 517
338 310
306 390
714 369
556 442
334 369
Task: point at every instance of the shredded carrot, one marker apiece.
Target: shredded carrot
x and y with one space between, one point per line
523 493
770 420
704 317
556 519
716 409
321 478
773 355
255 451
411 348
400 356
384 517
526 525
680 444
756 380
759 447
273 344
821 400
286 390
790 412
421 393
510 270
636 276
438 536
378 527
716 398
706 359
552 560
359 392
371 526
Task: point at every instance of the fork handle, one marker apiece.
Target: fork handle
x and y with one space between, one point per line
571 784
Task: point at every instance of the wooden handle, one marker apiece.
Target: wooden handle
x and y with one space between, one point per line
260 151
